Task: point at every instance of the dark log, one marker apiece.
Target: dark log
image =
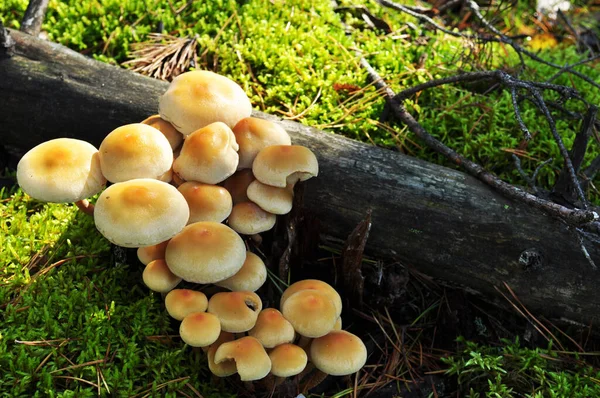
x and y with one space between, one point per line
441 221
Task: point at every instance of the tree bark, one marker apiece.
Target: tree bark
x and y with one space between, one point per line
34 17
441 221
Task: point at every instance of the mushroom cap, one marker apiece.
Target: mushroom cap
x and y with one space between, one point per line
313 284
198 98
237 185
61 170
237 311
200 329
272 329
251 359
153 252
253 134
274 200
206 252
226 367
174 137
311 312
338 324
158 277
140 212
287 360
250 277
248 218
207 202
279 165
135 151
167 176
338 353
182 302
208 155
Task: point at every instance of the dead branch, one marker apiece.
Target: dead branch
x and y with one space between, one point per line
34 17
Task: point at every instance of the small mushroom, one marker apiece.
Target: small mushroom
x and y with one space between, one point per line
313 284
182 302
272 329
338 353
251 359
312 313
159 278
200 329
248 218
237 185
250 277
227 366
174 137
271 199
237 311
153 252
207 202
253 134
287 360
280 165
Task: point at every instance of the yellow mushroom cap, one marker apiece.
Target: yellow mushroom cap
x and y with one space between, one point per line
279 165
226 367
338 353
287 360
253 134
200 329
272 329
248 218
313 284
274 200
198 98
206 252
338 324
135 151
140 212
251 359
237 185
153 252
174 137
208 155
250 277
311 312
61 170
182 302
158 277
207 202
237 311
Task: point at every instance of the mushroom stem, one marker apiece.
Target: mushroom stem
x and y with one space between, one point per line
85 206
256 238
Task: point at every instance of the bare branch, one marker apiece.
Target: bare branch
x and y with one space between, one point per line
34 17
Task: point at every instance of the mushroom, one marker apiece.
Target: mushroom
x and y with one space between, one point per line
280 165
274 200
206 202
159 278
250 277
225 367
200 329
208 155
182 302
272 329
338 353
248 218
153 252
206 252
237 185
140 212
237 311
135 151
198 98
253 134
251 359
174 137
62 170
312 313
287 360
313 284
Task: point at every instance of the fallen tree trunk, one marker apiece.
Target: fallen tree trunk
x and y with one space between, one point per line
441 221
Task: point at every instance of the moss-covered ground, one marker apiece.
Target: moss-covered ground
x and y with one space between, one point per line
75 323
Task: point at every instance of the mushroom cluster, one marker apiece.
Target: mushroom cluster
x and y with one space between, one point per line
184 185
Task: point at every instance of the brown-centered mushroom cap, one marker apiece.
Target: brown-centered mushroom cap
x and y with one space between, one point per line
253 134
226 367
248 218
250 277
140 212
287 360
182 302
153 252
61 170
274 200
208 155
174 137
198 98
207 202
279 165
251 359
159 278
206 252
237 311
313 284
272 329
311 312
237 185
135 151
200 329
338 353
